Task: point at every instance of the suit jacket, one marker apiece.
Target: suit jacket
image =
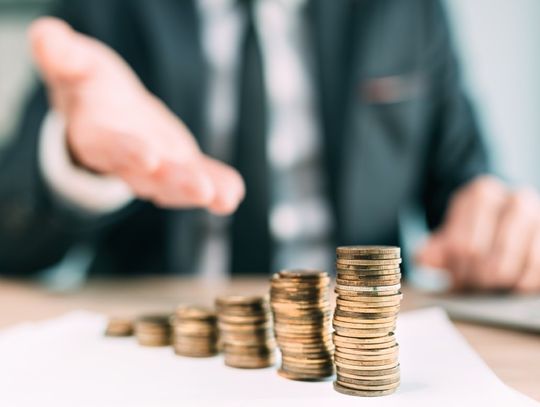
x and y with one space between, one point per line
398 129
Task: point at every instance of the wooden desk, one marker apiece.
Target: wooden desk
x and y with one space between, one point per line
513 356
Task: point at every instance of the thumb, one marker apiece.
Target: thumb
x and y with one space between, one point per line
433 253
59 55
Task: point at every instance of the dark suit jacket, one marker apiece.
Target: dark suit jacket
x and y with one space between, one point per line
398 129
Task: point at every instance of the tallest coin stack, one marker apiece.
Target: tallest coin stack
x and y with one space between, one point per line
367 304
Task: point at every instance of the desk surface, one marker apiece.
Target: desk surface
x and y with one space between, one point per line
513 356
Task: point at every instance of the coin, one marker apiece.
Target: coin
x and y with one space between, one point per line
363 387
368 300
356 262
195 332
301 310
367 256
383 365
375 289
153 330
119 327
245 330
394 250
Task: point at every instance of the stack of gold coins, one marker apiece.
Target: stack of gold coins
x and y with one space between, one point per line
245 330
119 327
194 332
153 330
301 310
368 298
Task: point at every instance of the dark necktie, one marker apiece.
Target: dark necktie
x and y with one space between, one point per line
250 232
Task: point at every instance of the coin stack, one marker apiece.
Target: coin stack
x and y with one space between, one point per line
301 310
194 332
153 330
245 330
367 304
119 327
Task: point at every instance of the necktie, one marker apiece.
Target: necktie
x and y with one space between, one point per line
250 231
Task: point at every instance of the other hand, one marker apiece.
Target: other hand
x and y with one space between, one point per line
490 238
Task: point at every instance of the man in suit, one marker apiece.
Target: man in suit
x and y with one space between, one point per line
330 117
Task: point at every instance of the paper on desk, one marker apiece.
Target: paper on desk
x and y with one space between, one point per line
68 362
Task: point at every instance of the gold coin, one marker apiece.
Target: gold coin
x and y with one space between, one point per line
304 376
194 312
346 339
363 323
362 333
370 352
368 283
393 262
370 383
367 256
367 310
367 363
364 358
368 379
358 324
368 249
360 393
302 273
241 300
367 367
377 289
365 273
369 301
369 296
369 374
359 302
363 387
362 277
245 363
365 268
119 327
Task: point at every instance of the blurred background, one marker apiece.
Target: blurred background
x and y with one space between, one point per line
497 41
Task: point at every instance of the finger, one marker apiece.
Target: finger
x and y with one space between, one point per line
529 280
228 184
470 230
507 257
433 252
57 52
182 185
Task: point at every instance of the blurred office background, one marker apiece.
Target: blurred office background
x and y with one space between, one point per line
498 42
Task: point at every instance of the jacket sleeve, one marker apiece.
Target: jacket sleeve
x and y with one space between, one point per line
456 152
36 228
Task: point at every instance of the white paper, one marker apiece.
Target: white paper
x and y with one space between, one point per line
68 362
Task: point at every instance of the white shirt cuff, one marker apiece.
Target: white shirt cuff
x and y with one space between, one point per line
73 185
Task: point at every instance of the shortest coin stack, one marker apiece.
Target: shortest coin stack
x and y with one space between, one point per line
194 332
119 327
153 330
301 310
245 330
368 299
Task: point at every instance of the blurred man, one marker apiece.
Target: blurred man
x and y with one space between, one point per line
331 116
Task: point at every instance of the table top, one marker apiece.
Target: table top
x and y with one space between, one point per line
513 356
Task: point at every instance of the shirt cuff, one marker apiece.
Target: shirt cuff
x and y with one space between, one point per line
73 185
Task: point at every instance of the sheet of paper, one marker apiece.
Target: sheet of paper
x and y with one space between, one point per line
68 362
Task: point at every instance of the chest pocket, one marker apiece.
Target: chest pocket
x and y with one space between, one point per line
396 106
